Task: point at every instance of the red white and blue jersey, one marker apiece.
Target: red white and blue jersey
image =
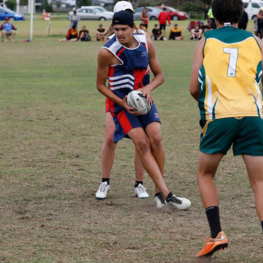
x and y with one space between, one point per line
129 74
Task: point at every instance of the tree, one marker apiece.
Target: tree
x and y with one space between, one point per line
46 6
80 3
11 4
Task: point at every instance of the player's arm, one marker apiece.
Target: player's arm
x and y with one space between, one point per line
156 70
261 47
105 59
198 61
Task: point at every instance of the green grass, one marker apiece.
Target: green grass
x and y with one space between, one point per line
52 130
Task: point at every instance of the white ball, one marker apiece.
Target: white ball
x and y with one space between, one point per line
138 101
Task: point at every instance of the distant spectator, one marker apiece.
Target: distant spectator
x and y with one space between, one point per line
84 34
163 17
74 19
176 33
142 27
260 23
100 33
242 24
207 27
210 16
205 12
144 17
72 35
196 33
8 29
157 33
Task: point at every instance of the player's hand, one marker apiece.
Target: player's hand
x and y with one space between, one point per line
127 108
147 93
148 71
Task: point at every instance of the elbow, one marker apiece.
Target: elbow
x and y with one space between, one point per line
162 78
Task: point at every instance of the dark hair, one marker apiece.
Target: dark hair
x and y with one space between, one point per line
164 9
74 26
227 10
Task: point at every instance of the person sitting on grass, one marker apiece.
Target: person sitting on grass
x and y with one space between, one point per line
72 35
157 33
176 33
8 29
196 33
100 33
84 34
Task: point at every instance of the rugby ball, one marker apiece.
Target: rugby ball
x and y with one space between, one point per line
138 101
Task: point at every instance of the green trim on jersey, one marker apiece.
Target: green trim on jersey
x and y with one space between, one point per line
229 34
202 90
259 72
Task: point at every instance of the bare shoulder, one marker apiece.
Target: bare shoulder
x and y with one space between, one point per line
105 56
259 42
200 44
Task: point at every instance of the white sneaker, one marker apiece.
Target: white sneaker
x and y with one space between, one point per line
179 202
140 191
103 190
160 202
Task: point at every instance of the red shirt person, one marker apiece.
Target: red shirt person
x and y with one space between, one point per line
163 17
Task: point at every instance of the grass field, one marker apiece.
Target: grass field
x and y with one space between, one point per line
52 129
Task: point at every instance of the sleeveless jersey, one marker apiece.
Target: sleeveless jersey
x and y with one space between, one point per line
230 75
129 75
7 27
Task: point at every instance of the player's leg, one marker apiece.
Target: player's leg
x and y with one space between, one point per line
207 166
12 35
139 189
254 165
142 144
107 157
4 35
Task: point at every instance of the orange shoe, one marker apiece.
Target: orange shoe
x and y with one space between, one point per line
213 244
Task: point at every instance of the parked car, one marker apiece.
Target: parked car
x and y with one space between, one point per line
174 14
93 13
252 8
152 11
13 16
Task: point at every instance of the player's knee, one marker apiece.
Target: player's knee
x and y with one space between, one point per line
156 141
142 145
109 142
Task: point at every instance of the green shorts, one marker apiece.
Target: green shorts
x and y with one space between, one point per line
245 134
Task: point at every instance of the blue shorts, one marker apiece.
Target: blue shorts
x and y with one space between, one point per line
124 122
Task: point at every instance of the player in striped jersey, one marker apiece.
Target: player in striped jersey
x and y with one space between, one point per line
226 74
124 63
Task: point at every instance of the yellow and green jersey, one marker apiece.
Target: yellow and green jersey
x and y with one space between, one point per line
230 75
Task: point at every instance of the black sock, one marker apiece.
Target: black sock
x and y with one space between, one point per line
212 214
158 194
105 180
169 197
262 225
137 183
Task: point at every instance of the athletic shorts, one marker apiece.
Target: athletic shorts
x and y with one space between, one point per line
162 26
125 122
107 105
245 134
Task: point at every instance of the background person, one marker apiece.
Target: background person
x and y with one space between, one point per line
8 28
100 33
72 35
84 34
242 24
210 16
144 17
230 104
74 19
163 17
260 23
176 33
157 33
109 147
196 33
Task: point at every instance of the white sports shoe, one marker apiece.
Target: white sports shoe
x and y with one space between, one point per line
179 202
103 190
160 202
140 191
